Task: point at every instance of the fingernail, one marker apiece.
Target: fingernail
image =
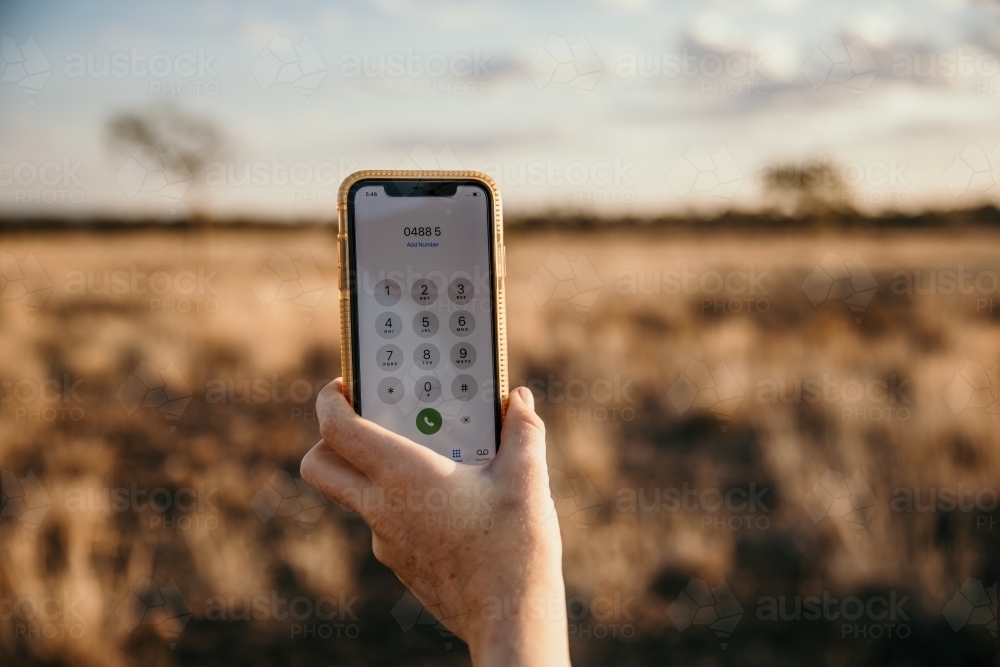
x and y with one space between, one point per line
527 397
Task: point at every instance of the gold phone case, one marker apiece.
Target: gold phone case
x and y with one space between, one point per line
499 268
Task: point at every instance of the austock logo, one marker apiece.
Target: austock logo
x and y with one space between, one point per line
296 280
558 61
875 399
599 181
285 496
53 181
24 499
444 604
973 604
833 278
735 508
178 291
974 171
165 609
974 387
148 387
305 617
701 387
837 62
24 64
59 399
170 509
851 499
724 73
559 279
150 170
576 499
282 61
699 604
24 282
603 399
182 74
703 171
867 617
49 617
414 65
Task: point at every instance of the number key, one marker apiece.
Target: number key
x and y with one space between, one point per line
463 355
462 323
425 323
387 325
426 356
424 292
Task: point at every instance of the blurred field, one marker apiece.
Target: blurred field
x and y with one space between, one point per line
598 330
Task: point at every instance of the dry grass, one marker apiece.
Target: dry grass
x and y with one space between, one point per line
635 441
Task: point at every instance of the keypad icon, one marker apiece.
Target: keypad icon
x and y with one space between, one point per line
426 357
424 292
425 324
462 323
464 387
387 292
387 325
389 358
390 390
460 291
463 355
428 389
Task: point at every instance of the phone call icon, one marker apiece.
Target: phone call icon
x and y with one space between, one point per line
429 421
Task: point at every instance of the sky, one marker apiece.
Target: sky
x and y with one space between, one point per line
603 107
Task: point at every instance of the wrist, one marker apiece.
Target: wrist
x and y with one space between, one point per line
524 630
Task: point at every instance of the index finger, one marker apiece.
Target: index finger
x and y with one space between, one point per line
373 450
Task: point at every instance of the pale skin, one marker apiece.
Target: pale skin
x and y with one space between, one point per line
479 546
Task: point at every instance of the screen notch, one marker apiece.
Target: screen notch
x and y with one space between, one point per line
421 188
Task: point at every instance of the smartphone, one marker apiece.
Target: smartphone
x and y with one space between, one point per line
423 340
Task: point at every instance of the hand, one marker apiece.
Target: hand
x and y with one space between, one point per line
478 546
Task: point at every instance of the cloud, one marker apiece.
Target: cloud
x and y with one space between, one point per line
723 33
625 5
449 14
877 26
779 6
258 33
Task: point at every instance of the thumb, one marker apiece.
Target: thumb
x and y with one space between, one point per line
522 440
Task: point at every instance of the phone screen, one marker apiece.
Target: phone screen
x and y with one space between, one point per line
424 315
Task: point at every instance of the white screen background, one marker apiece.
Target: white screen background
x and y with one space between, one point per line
383 251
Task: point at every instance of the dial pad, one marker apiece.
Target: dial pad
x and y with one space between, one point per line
396 360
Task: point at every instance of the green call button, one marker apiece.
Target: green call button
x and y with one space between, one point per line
429 421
